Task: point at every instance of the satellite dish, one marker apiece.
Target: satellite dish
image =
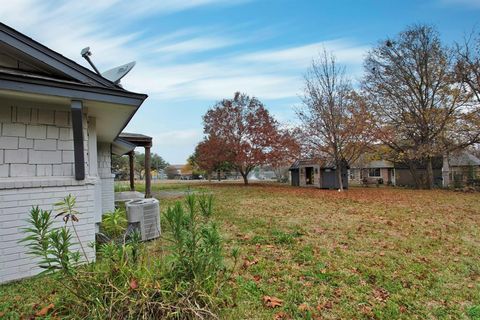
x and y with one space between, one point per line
116 74
85 52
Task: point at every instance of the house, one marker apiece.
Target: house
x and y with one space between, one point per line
59 123
373 172
317 173
459 167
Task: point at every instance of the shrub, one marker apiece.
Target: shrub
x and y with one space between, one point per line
125 282
196 250
114 223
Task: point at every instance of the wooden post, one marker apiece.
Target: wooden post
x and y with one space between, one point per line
148 173
131 156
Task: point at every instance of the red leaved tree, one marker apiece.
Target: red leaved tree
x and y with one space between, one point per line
211 155
285 151
250 136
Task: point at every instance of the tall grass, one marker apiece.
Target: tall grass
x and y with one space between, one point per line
126 282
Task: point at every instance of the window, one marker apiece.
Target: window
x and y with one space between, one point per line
374 172
351 174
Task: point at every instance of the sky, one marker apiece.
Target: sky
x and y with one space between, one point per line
192 53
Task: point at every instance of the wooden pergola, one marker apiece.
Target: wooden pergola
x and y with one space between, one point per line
139 140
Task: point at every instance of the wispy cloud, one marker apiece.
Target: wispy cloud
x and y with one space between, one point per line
195 45
272 74
346 52
194 64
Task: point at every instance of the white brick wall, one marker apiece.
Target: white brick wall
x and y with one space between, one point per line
15 205
37 142
37 168
104 157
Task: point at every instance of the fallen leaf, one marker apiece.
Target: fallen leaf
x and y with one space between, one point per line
2 314
247 263
325 305
272 302
319 230
381 294
366 310
133 284
304 307
257 278
281 316
44 311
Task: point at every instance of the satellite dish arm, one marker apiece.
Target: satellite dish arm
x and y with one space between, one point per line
86 53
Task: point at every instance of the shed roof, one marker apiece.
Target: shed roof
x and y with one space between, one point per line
323 163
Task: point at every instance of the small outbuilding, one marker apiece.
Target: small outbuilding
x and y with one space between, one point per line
317 173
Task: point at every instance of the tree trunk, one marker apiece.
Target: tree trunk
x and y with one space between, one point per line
209 177
218 175
429 173
245 178
339 175
413 171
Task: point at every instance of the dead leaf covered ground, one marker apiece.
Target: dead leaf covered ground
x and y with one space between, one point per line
367 253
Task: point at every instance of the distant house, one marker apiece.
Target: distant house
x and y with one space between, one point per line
317 173
179 171
59 125
373 172
459 167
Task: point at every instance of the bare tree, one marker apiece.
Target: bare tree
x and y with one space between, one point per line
418 104
334 118
468 63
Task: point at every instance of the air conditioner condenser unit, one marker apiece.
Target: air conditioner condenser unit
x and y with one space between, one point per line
144 216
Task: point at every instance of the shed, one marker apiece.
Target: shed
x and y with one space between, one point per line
317 173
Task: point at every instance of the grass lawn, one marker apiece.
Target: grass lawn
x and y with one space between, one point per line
367 253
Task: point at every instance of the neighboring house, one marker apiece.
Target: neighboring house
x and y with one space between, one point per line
460 168
59 123
179 171
373 172
317 173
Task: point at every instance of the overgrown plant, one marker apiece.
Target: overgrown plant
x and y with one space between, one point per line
52 245
196 264
127 283
66 209
114 223
196 250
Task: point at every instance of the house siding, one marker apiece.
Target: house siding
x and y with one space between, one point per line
106 176
37 142
15 205
37 168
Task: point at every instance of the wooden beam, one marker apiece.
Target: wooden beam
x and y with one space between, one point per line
148 173
131 156
77 127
